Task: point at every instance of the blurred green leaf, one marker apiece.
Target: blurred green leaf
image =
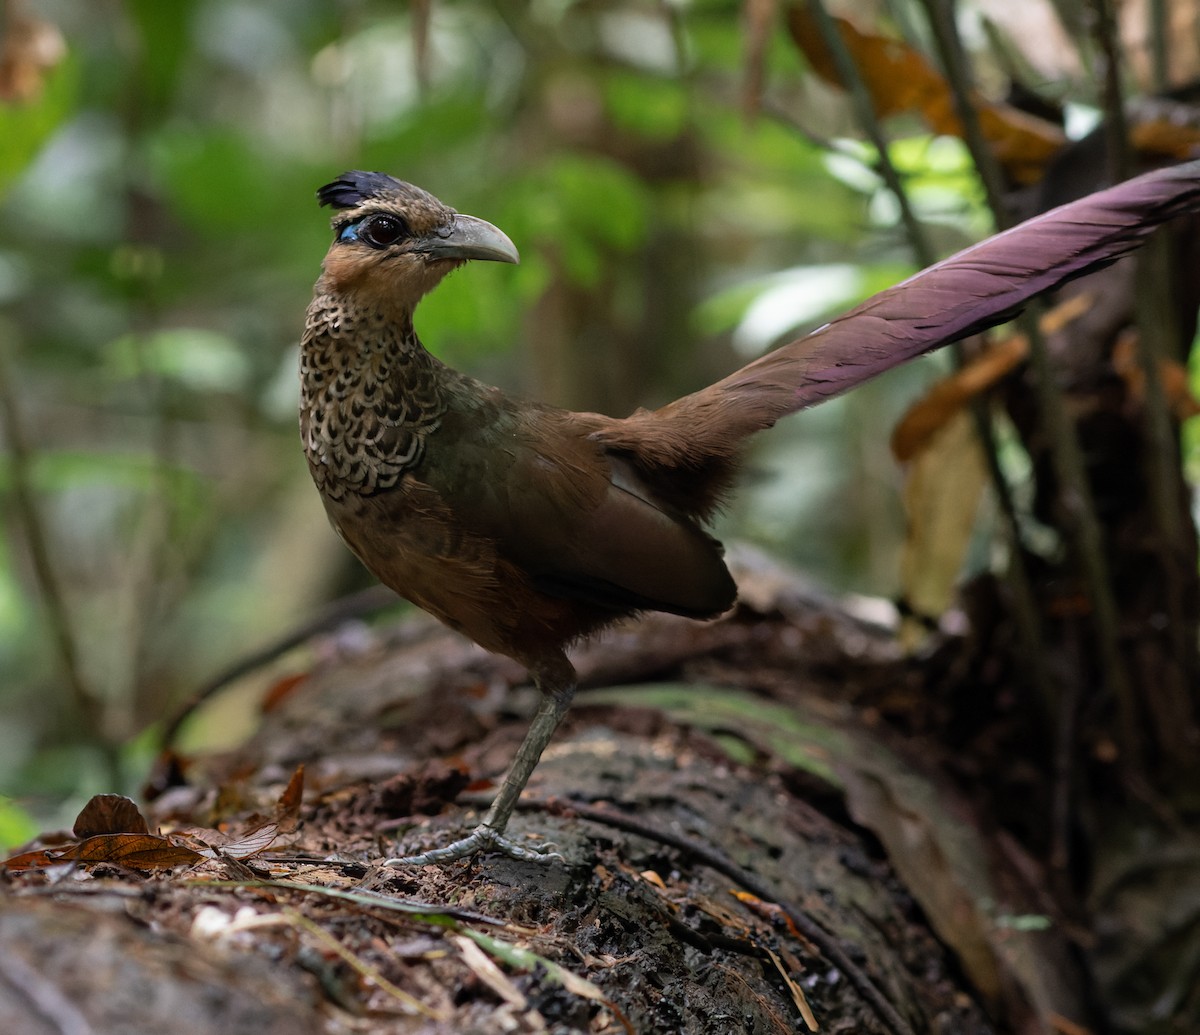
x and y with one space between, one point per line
657 109
58 470
164 35
802 295
14 613
576 208
443 133
200 359
471 314
219 181
25 127
16 825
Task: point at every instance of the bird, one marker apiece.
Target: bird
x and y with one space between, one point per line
527 527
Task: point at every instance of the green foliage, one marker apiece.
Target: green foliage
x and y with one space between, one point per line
198 359
59 471
655 109
163 32
1191 428
16 825
25 128
589 211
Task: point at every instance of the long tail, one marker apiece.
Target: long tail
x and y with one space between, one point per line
702 434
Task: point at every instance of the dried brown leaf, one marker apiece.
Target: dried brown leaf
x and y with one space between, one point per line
900 79
110 814
1165 138
946 398
135 851
1176 384
29 48
256 840
287 809
769 911
797 993
281 690
942 490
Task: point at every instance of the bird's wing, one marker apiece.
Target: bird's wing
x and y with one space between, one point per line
627 551
579 521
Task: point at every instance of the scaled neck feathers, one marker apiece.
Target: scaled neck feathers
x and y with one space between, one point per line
370 395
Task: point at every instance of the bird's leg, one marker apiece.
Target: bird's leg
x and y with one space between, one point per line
558 688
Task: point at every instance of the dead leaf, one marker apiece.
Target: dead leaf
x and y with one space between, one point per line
485 969
110 814
287 809
948 396
29 48
651 877
769 911
426 789
134 851
1165 138
1061 1025
280 691
1176 385
255 841
900 79
942 489
796 991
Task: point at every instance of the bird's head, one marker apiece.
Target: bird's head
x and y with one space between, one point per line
393 242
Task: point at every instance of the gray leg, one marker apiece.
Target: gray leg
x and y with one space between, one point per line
489 835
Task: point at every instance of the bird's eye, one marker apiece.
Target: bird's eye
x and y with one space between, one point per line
381 231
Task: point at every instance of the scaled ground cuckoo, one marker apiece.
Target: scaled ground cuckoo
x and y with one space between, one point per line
525 526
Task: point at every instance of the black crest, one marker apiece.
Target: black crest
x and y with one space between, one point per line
353 188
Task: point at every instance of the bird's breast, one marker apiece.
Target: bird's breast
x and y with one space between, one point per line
368 407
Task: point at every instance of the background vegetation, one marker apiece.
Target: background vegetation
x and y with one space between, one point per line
685 192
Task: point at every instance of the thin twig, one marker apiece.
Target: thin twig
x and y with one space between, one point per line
1116 128
1075 494
1155 312
954 66
1160 42
1174 541
37 995
864 112
58 615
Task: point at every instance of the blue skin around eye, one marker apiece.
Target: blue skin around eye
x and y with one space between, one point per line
350 233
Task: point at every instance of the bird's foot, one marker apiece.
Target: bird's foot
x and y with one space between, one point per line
482 839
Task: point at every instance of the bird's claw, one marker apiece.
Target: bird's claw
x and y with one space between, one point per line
482 839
